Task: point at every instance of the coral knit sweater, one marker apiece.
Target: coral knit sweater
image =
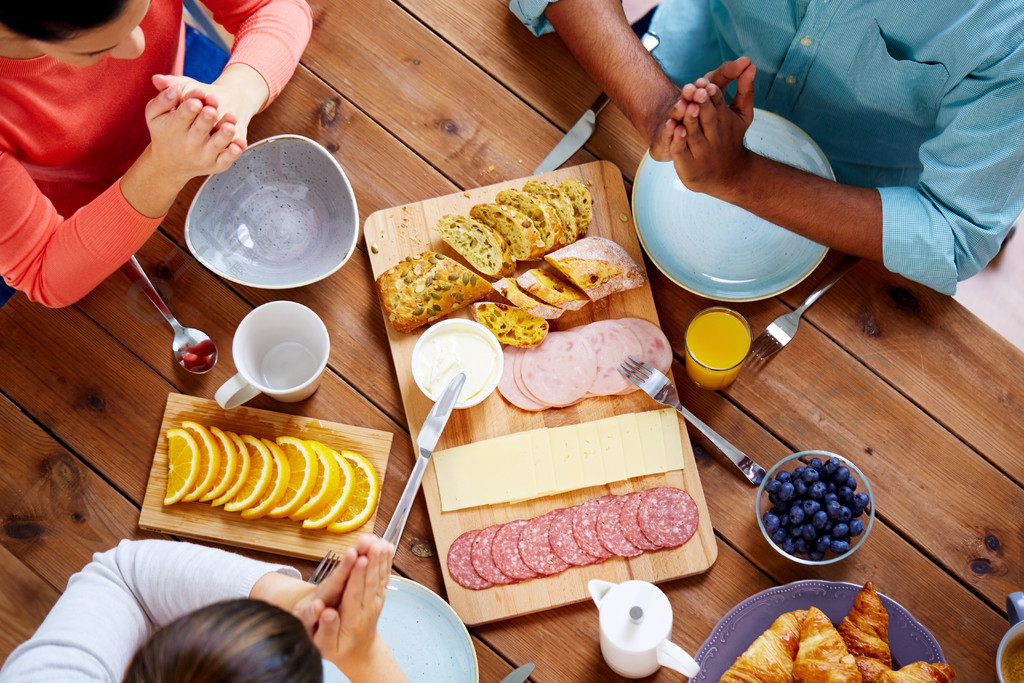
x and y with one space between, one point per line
68 134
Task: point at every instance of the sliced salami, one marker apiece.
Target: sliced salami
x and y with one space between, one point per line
667 516
657 350
559 371
563 543
584 527
629 524
535 547
483 561
505 551
612 343
460 566
507 383
609 534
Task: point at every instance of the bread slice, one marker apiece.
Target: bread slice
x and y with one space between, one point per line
598 266
541 212
552 289
562 204
484 248
511 325
516 227
508 288
582 204
420 289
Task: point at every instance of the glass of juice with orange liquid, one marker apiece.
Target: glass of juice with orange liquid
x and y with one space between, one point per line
717 341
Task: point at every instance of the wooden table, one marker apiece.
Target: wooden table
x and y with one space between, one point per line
422 98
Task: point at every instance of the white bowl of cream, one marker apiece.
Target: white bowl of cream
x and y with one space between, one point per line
453 346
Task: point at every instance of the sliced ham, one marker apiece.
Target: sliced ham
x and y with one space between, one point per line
508 387
561 370
657 350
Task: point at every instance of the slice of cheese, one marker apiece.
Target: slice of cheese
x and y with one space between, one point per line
609 436
631 447
673 441
566 457
543 464
469 476
652 441
595 472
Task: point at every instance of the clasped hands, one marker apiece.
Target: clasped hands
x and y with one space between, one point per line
703 135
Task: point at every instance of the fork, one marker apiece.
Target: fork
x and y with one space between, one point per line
326 566
782 330
658 387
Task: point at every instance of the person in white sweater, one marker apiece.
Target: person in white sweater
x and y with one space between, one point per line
166 611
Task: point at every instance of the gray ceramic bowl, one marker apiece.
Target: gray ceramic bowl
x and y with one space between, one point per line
282 216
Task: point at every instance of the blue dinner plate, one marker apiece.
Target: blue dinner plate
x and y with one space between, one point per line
909 641
429 640
719 250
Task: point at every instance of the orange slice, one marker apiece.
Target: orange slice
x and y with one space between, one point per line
241 473
338 501
365 492
182 464
261 474
229 462
209 460
276 491
304 467
327 483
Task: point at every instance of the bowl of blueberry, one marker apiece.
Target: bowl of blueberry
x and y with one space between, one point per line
815 507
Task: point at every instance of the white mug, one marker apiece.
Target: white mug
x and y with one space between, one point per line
1011 648
280 349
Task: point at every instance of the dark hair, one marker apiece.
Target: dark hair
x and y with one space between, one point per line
57 20
236 641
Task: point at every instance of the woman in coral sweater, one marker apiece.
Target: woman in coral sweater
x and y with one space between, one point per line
90 159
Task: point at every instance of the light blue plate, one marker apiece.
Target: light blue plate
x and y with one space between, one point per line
429 640
718 250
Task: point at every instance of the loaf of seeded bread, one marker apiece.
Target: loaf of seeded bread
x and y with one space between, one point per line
511 325
484 248
552 289
516 227
423 288
562 204
541 211
598 266
508 288
582 204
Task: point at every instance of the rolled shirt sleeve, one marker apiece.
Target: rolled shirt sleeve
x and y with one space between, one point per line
531 13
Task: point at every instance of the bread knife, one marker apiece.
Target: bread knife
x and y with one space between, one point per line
584 127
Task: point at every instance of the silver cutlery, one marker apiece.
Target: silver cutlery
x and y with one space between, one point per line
584 127
437 418
782 330
658 387
519 675
193 349
326 566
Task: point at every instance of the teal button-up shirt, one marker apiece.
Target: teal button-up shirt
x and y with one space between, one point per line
924 102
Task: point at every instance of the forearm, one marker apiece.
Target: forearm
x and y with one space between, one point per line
148 187
601 40
378 665
281 590
839 216
250 89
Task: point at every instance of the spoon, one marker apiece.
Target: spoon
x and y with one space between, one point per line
193 349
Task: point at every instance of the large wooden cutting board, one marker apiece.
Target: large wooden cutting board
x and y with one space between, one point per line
395 233
208 523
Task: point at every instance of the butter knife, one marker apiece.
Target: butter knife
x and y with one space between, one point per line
584 127
519 675
437 418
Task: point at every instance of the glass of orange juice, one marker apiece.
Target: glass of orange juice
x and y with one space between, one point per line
717 341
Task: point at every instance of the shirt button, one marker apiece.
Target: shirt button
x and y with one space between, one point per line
791 79
806 41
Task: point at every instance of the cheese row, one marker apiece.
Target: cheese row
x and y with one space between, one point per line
552 460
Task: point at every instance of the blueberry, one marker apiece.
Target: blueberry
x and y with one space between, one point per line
773 498
845 515
799 471
820 517
773 486
816 556
841 530
810 476
861 500
815 463
786 492
845 495
796 515
856 527
817 490
830 486
810 507
827 528
832 508
799 488
782 476
780 509
788 546
795 531
831 466
800 546
771 523
779 536
840 547
808 531
831 495
784 520
851 483
822 543
842 473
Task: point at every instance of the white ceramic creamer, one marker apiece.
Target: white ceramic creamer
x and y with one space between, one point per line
636 621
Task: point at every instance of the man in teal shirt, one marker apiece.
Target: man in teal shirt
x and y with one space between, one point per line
920 111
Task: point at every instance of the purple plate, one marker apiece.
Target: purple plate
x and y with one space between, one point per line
909 641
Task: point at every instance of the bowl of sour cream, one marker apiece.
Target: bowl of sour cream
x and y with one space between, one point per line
453 346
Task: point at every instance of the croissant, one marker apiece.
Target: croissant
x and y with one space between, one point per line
823 657
920 672
769 659
865 631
